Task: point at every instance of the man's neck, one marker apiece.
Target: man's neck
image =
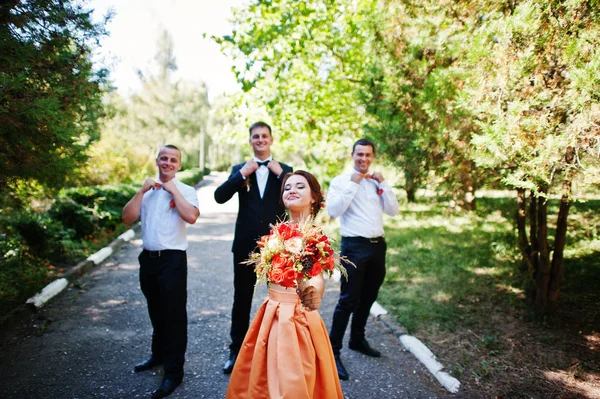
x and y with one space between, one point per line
166 179
262 157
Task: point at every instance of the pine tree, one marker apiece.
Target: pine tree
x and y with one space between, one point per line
50 94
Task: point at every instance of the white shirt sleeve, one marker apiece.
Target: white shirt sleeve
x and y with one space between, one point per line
390 202
340 196
189 193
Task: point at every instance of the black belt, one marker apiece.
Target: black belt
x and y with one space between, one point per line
372 240
158 254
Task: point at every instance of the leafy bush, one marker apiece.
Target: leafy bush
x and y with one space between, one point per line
21 273
41 234
88 209
192 176
80 221
114 160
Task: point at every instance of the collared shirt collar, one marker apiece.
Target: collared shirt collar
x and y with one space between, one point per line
174 179
269 158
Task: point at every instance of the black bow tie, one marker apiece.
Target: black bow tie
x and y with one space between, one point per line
265 163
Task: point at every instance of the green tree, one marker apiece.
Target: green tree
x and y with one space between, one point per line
228 133
535 90
162 111
50 94
471 92
415 89
165 110
118 157
329 71
300 67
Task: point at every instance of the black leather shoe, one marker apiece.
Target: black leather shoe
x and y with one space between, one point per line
147 364
342 373
167 386
364 347
229 363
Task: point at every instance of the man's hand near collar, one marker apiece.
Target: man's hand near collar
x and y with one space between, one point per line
249 168
275 167
378 177
357 177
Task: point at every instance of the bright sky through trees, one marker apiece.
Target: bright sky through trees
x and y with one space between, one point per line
135 28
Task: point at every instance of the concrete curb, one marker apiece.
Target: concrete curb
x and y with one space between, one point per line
49 292
97 258
57 286
429 360
33 304
417 348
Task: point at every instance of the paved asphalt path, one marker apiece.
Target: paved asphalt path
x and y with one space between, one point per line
84 343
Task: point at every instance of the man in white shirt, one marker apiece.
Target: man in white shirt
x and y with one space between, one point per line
257 183
359 199
165 206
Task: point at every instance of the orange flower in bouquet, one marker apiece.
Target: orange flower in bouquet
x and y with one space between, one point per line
294 252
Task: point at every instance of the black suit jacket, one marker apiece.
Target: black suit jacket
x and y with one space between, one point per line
255 214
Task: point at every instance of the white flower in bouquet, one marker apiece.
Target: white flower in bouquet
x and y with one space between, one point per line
294 245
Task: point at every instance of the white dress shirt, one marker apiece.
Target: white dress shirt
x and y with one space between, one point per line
162 227
359 206
262 175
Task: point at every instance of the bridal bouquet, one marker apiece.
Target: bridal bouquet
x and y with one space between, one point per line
293 252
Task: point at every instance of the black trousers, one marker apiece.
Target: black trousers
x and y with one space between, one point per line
244 279
359 291
163 280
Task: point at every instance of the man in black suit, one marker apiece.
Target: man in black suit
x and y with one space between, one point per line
257 183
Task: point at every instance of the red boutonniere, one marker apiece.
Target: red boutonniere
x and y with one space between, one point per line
379 189
172 204
247 183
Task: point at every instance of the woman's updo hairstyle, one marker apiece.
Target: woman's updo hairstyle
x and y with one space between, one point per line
315 190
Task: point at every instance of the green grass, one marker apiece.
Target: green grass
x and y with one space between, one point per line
446 269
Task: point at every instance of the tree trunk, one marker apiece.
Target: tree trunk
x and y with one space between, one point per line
411 185
543 271
533 234
464 195
534 250
556 270
468 185
524 246
201 152
469 201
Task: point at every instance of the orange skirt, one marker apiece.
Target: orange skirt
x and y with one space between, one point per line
286 354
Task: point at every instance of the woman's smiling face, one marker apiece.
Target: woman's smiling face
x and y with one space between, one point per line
296 194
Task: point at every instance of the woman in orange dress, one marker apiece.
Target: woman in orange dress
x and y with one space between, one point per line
286 352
